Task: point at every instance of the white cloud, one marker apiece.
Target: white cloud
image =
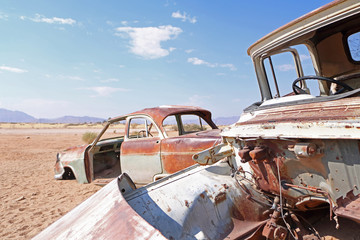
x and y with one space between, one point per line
228 65
110 80
189 50
197 100
3 16
184 17
105 91
285 67
145 41
12 69
197 61
76 78
53 20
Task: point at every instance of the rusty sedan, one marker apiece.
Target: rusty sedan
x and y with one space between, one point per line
155 142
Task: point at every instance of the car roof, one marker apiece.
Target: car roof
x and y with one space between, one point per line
302 28
161 112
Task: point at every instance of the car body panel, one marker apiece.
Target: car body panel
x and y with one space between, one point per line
176 152
144 157
201 203
141 160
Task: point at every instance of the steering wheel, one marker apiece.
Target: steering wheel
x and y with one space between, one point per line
298 90
142 132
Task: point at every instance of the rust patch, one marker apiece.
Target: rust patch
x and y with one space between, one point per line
349 207
220 198
187 204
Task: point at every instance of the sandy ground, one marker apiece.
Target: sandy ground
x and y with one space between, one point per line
31 199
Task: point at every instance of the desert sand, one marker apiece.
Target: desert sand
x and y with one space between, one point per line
31 199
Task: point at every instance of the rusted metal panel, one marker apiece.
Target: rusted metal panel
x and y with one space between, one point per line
295 29
141 159
160 113
349 207
105 215
337 119
213 205
72 158
177 152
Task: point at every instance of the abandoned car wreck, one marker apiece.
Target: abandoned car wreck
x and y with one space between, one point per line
291 158
153 143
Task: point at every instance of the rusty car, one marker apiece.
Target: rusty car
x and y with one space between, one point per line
150 144
292 159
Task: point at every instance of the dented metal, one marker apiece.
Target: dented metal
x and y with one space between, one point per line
288 159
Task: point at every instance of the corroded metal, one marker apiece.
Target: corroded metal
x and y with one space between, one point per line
213 205
144 158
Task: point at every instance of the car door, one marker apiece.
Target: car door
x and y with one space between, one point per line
140 151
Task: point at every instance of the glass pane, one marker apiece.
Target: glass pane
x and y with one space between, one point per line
142 128
193 123
137 128
354 46
285 72
170 126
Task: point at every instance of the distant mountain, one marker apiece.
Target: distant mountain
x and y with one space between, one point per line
221 121
71 119
17 117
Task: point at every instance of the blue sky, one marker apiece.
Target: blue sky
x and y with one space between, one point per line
108 58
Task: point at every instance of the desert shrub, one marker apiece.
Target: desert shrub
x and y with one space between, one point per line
89 137
192 127
174 128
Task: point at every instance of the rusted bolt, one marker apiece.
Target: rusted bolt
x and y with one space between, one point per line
196 156
305 149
